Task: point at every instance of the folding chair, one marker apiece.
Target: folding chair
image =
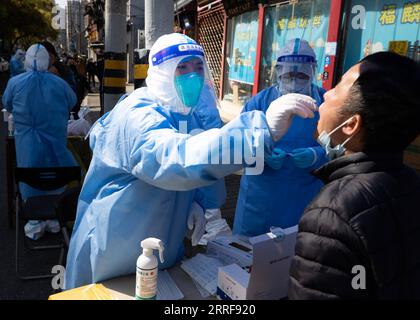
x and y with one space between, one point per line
41 207
66 210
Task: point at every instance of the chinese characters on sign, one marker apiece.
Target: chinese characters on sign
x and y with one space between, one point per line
388 14
400 47
301 23
282 24
391 25
410 13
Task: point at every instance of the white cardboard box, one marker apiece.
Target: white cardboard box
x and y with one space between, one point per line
232 283
230 249
269 276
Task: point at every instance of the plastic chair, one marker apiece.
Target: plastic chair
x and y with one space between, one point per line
42 207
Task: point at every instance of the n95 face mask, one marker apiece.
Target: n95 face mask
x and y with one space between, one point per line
188 87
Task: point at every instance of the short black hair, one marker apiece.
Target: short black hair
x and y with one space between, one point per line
50 48
386 96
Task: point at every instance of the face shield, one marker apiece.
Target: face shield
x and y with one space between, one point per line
295 68
178 74
37 58
295 74
189 80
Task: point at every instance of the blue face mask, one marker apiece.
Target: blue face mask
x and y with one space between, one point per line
188 87
324 140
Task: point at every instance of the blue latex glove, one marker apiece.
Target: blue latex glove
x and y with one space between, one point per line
276 159
304 157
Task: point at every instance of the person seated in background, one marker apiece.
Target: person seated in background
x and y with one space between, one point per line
359 238
40 103
278 196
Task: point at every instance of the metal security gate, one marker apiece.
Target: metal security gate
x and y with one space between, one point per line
211 21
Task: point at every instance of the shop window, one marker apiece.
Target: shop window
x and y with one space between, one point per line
210 36
307 20
241 51
388 25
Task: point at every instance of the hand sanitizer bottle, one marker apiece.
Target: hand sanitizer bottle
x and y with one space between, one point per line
147 269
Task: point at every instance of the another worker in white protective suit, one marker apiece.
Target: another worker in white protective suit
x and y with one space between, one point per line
154 172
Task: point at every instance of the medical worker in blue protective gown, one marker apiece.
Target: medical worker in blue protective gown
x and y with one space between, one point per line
279 195
40 102
150 174
17 65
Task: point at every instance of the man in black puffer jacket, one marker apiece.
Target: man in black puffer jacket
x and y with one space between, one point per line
360 237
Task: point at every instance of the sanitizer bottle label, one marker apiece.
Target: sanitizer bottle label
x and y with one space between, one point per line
146 284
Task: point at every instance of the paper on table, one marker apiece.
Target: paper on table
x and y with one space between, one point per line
214 229
203 292
166 287
204 270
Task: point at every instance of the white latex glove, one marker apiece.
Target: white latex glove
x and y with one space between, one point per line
196 220
281 111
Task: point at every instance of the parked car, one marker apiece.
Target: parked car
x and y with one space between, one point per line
4 65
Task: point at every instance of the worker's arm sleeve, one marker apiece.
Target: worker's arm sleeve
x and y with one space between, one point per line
251 105
213 196
210 118
170 160
7 99
320 158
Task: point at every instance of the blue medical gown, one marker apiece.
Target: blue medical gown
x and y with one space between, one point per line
207 111
279 197
40 103
16 67
131 192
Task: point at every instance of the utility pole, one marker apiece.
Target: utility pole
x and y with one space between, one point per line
158 19
115 71
136 13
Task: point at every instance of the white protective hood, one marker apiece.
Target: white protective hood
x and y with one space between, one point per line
37 58
165 55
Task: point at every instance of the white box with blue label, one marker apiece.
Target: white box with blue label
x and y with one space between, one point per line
268 276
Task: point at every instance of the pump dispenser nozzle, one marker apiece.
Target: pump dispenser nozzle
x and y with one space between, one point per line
151 244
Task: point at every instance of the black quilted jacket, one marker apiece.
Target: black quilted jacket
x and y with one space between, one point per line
367 214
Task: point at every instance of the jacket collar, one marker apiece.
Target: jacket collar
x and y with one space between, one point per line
358 163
